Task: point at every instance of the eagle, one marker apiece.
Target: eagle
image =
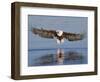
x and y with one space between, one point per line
58 35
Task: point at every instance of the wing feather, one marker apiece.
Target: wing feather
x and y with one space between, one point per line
73 36
43 33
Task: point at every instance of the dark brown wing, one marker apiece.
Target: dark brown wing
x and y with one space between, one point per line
73 36
43 33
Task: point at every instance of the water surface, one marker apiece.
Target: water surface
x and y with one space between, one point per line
57 56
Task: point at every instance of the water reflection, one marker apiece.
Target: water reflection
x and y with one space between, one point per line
60 57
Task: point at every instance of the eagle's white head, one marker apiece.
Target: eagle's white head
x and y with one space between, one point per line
59 32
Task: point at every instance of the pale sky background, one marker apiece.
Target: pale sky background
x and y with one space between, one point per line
65 23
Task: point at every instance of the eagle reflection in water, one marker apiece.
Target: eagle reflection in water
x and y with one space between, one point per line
60 58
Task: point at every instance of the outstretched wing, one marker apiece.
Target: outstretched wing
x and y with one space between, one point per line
43 33
73 36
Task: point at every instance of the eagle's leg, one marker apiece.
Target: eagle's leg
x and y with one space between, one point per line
62 40
58 41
